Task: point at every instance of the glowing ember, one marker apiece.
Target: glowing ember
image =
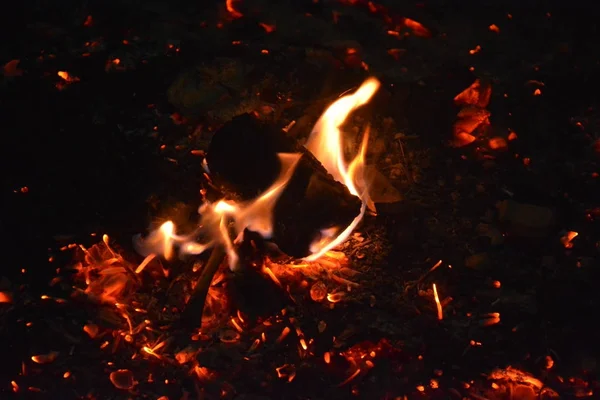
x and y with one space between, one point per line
567 239
45 358
109 278
122 379
67 79
92 330
5 297
231 10
440 312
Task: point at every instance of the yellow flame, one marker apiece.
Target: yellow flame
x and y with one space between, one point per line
220 219
256 215
325 142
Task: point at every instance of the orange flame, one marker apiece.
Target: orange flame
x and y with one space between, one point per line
325 142
256 216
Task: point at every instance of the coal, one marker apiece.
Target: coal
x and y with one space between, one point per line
243 162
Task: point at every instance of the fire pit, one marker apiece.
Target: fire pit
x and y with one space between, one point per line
344 199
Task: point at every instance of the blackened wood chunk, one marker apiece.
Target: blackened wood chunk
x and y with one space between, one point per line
242 158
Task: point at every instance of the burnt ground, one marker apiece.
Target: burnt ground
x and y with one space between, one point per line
112 153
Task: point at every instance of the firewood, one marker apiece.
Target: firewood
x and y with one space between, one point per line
243 162
192 315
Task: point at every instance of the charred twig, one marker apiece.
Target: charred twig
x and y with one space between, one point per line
192 315
415 285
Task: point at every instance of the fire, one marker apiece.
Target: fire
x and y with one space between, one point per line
256 216
325 142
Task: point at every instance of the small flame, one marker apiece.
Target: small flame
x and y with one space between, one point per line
256 215
325 142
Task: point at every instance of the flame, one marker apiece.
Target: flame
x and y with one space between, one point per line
222 219
256 216
325 142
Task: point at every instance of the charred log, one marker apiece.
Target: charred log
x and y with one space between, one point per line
243 162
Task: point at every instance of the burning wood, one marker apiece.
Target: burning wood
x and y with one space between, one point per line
311 202
301 199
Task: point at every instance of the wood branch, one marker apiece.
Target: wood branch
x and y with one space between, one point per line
192 315
243 162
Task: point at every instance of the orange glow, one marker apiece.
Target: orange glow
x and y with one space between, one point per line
494 28
236 325
11 69
476 50
566 240
67 77
45 358
478 94
283 335
335 297
122 379
537 92
91 329
473 118
396 53
490 319
416 28
303 344
109 277
231 10
286 371
440 313
5 297
463 139
515 375
512 136
350 378
497 143
268 27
